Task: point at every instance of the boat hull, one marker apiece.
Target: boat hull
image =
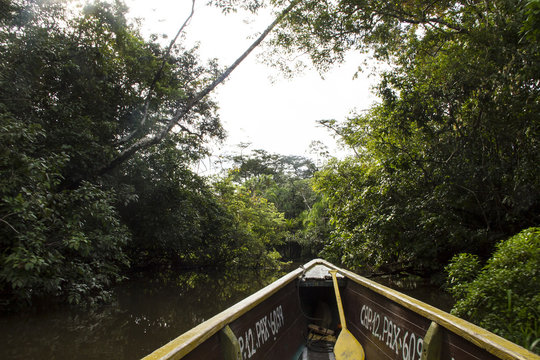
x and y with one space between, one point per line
273 324
389 330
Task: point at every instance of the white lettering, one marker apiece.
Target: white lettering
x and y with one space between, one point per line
390 334
396 336
250 342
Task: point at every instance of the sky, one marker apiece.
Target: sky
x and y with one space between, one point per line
257 104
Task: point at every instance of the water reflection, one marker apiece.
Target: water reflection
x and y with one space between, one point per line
419 288
148 312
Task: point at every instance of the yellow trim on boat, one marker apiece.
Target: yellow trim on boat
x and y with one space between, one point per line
496 345
185 343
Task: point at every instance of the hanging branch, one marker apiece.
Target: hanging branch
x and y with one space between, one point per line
146 142
157 77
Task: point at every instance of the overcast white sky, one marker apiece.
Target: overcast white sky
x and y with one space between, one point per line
257 105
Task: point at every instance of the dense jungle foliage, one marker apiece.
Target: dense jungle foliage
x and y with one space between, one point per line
95 181
77 88
504 294
284 183
447 162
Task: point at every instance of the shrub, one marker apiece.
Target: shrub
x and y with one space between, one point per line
504 295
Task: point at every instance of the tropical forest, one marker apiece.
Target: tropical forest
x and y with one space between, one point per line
102 128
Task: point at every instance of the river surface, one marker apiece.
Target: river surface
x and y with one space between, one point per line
147 313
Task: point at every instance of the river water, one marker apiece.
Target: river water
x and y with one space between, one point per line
147 313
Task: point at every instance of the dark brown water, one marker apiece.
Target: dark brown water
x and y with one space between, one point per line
420 289
147 313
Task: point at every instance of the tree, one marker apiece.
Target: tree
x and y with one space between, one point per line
531 26
173 214
259 226
445 163
68 244
285 182
192 101
316 229
72 85
90 98
92 101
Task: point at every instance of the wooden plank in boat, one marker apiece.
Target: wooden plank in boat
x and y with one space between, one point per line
318 276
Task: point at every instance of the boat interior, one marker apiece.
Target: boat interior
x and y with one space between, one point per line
318 307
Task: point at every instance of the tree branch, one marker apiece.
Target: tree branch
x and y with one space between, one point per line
146 142
8 224
157 77
330 126
411 19
478 202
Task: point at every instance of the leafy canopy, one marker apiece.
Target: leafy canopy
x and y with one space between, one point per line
446 162
77 87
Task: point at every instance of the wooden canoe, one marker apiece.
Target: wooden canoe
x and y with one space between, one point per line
273 324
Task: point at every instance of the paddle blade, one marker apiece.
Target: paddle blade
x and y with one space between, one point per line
347 347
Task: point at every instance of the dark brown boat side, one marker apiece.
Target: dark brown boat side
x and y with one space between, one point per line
273 324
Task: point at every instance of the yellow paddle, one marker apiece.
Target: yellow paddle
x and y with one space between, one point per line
347 347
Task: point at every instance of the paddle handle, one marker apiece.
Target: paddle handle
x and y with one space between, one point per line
338 299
